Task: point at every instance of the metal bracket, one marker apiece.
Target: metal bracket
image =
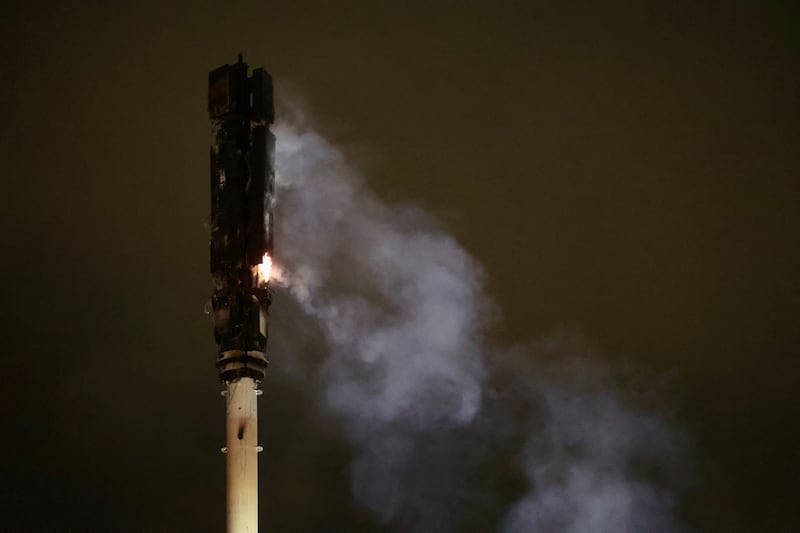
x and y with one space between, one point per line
259 449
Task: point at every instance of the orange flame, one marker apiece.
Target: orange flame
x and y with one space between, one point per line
265 268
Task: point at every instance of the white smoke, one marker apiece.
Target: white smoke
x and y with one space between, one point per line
429 408
593 463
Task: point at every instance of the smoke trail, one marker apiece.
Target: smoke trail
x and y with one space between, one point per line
593 462
449 432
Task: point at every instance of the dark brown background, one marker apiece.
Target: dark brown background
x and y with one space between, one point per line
629 170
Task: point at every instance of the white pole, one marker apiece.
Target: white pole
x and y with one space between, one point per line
242 456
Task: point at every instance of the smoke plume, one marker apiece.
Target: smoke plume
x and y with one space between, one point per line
451 433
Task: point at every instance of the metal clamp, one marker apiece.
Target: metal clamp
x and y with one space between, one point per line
259 449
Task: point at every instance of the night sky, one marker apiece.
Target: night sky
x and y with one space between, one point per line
627 171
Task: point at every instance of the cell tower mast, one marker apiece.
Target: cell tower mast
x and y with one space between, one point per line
242 196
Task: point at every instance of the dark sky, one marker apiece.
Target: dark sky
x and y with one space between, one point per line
629 170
